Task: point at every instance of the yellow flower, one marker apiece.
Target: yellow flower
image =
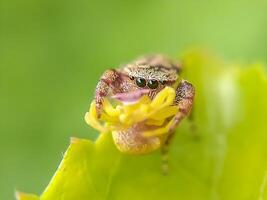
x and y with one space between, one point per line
121 117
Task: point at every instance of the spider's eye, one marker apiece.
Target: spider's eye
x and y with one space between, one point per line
131 77
163 82
140 82
153 84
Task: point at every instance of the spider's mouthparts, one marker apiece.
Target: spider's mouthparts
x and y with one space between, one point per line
131 97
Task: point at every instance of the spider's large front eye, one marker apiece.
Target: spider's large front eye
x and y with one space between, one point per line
152 84
140 82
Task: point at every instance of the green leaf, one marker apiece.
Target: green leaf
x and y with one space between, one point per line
224 158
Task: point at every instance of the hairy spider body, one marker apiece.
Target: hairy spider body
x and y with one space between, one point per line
144 76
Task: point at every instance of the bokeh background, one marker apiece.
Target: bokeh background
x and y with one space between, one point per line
52 53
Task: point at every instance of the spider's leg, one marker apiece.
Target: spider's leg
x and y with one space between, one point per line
165 153
108 83
185 93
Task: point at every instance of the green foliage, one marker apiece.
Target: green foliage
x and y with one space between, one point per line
225 158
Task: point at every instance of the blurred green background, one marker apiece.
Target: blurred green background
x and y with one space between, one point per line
52 53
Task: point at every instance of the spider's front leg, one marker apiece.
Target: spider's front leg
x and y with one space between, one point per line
184 98
185 94
109 83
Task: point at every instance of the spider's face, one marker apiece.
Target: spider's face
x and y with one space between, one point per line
150 77
143 79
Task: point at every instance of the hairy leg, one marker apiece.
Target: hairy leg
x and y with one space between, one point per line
185 93
108 83
165 154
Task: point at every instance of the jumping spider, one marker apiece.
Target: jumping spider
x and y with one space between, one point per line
146 75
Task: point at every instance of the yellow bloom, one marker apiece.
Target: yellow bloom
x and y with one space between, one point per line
121 117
